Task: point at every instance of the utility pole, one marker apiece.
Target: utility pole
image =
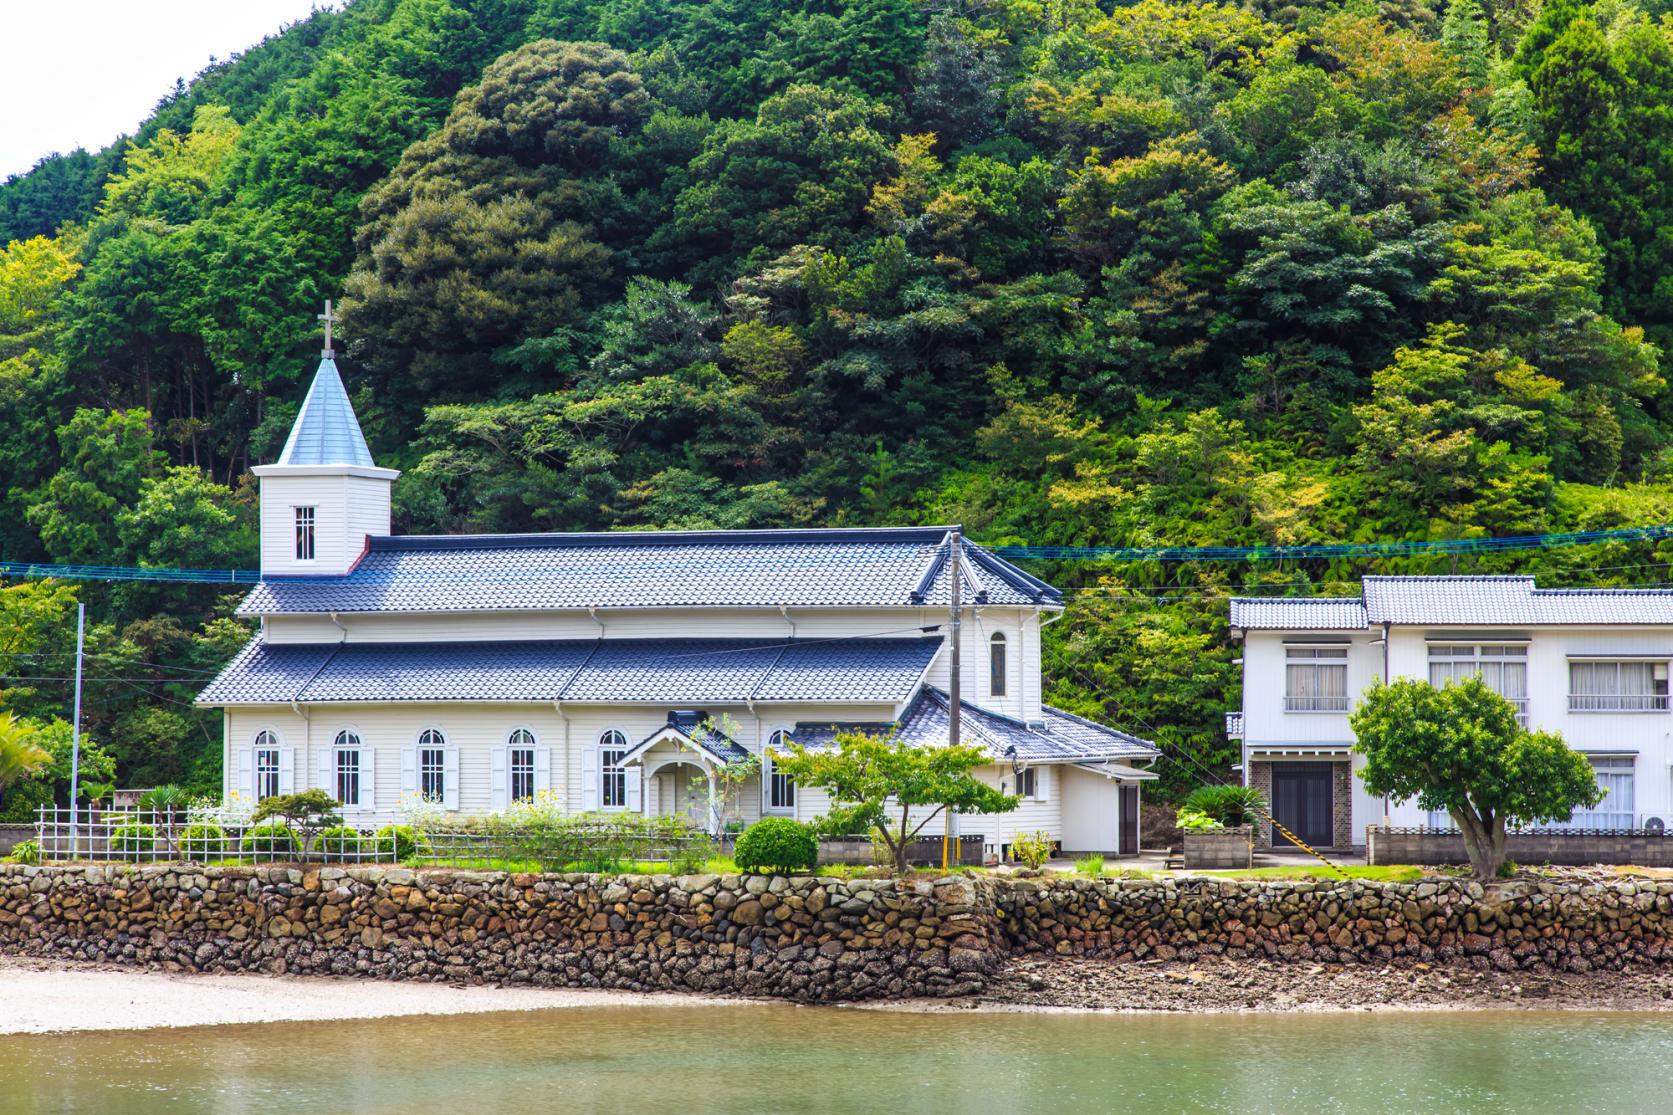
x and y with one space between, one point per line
75 729
956 556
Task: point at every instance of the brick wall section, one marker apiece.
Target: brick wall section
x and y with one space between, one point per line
807 939
1260 777
1342 804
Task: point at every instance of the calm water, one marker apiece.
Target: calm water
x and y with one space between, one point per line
781 1059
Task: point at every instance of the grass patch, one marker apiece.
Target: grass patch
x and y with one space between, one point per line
1388 873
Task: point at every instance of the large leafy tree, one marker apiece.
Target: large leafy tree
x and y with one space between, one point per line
895 789
1461 749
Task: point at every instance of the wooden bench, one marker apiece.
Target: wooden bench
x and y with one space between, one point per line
1173 859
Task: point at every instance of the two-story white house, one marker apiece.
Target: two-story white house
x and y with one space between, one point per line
477 670
1589 663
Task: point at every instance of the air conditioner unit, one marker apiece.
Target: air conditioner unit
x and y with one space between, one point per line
1655 826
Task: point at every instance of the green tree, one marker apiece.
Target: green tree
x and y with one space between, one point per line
20 752
869 777
1460 749
108 456
1464 34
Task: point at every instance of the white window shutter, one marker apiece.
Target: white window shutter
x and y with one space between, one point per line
766 778
328 768
589 780
246 773
542 769
450 778
498 794
635 777
368 778
1041 774
287 770
409 770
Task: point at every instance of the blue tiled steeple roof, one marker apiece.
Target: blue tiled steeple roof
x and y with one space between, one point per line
326 431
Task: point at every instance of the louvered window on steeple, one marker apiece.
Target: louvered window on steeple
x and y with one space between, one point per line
304 534
996 665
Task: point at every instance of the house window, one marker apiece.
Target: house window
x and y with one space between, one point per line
1502 666
1626 686
346 764
266 765
304 534
432 765
521 764
781 792
1615 811
996 665
1316 679
612 776
1028 782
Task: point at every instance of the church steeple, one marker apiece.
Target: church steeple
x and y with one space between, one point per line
324 495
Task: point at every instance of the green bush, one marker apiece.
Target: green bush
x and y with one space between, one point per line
1090 865
691 857
777 844
1232 806
202 841
1194 821
406 841
133 839
269 840
338 843
26 851
1032 849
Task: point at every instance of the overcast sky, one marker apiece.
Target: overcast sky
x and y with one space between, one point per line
79 73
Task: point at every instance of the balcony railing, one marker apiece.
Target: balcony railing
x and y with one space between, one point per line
1617 702
1315 704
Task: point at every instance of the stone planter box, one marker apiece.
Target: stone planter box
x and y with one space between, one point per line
13 835
1227 850
919 853
1574 849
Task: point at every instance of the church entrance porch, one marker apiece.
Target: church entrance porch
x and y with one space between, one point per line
679 788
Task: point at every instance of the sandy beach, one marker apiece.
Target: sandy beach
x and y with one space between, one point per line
38 997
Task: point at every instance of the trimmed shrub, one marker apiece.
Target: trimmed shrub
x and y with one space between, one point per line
201 841
269 840
407 841
338 843
26 851
133 839
777 844
1032 849
1232 806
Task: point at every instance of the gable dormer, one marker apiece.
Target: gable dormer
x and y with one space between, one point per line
325 495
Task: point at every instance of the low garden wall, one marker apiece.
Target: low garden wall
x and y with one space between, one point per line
808 939
1571 849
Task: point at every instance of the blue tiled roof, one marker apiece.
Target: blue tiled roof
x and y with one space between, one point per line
326 431
1469 601
867 567
701 730
681 672
1060 737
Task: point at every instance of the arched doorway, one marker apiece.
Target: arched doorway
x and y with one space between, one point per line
681 789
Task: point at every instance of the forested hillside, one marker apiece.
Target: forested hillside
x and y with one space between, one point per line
1163 274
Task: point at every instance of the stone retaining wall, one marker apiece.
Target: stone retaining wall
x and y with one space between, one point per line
808 939
1568 925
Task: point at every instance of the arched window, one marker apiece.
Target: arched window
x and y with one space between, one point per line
432 764
781 792
520 764
996 665
612 776
345 767
266 765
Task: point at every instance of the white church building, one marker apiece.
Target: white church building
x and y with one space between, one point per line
479 669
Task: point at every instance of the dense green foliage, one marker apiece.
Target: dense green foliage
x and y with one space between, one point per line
1068 273
777 844
1233 806
1460 749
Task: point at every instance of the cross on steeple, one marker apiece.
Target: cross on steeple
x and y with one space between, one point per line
328 318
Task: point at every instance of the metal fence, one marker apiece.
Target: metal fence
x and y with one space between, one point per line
165 836
557 844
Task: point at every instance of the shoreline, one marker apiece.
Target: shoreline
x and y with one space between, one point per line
61 996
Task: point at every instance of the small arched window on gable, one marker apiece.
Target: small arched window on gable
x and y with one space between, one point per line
996 665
